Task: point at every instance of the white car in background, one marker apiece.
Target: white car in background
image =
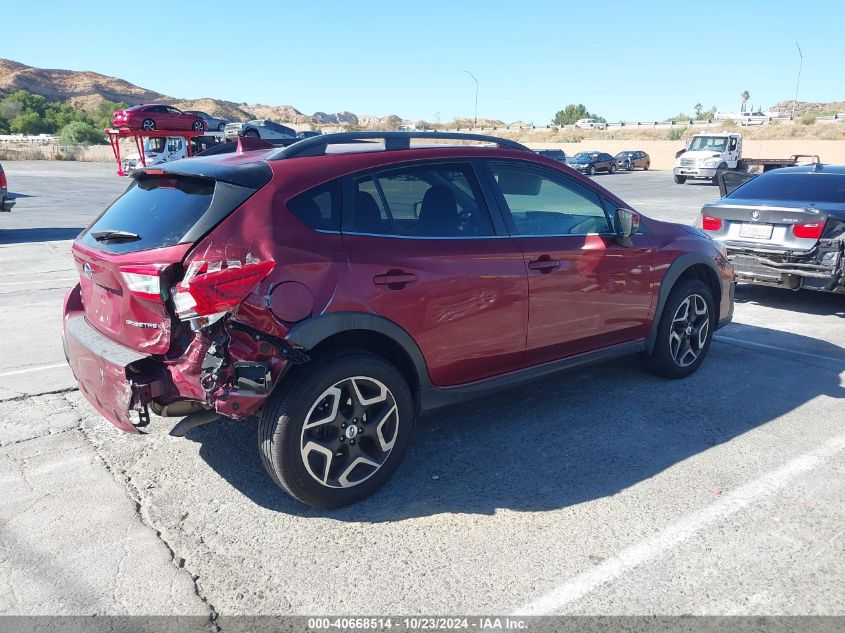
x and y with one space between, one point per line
259 128
590 124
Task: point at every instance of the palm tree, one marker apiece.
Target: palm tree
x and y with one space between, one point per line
745 97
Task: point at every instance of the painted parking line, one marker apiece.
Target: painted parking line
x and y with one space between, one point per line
38 281
636 555
743 343
29 370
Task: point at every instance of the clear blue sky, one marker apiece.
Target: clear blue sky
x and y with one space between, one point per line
634 60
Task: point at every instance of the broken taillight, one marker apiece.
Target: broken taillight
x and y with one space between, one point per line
211 289
710 223
811 230
144 281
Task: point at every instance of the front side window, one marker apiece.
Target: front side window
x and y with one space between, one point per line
442 200
543 203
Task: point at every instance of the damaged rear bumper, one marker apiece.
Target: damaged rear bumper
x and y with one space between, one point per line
117 381
818 269
231 372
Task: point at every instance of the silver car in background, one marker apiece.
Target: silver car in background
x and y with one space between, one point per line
784 227
259 128
211 123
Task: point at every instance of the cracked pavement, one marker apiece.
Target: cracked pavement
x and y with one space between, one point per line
497 502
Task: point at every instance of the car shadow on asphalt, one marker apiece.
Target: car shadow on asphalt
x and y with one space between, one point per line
799 301
49 234
565 440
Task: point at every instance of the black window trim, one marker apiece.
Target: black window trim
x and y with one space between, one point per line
348 194
504 210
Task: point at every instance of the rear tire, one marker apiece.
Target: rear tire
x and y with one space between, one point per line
684 332
198 126
252 133
221 127
679 180
646 166
612 169
329 416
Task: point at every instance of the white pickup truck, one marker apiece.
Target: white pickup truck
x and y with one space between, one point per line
707 155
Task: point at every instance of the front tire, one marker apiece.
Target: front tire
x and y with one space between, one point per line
336 431
592 170
679 180
149 125
685 330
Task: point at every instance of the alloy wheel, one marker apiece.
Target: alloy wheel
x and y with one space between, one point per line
148 124
349 432
198 126
689 330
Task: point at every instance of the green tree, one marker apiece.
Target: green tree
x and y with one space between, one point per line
572 113
81 133
698 109
28 123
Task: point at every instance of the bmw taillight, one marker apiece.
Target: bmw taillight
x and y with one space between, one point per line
812 230
710 223
2 179
144 281
212 289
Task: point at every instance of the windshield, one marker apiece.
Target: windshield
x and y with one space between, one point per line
816 187
586 156
154 145
708 144
624 154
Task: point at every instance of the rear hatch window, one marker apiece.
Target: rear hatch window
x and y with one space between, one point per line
155 211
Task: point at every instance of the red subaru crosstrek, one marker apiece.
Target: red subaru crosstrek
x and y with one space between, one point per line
340 287
154 116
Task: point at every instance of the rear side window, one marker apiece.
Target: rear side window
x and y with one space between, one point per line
318 208
441 200
160 210
816 187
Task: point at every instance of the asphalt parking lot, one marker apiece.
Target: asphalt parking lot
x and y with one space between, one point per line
606 491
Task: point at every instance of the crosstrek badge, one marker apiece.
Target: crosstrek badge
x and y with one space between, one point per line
151 326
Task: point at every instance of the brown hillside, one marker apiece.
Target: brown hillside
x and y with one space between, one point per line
802 107
85 89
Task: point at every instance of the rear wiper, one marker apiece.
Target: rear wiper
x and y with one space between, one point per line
112 234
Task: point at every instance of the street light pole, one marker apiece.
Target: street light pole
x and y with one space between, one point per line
798 81
475 118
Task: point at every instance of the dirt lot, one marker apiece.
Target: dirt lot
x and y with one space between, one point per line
606 491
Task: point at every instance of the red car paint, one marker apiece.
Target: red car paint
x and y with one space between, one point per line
164 117
475 308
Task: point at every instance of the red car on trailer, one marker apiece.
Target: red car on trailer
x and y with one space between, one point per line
154 116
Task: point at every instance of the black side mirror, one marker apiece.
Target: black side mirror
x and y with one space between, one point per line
625 224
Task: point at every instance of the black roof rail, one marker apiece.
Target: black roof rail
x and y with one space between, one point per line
316 145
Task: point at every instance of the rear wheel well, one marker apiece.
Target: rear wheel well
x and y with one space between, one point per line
375 343
705 274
